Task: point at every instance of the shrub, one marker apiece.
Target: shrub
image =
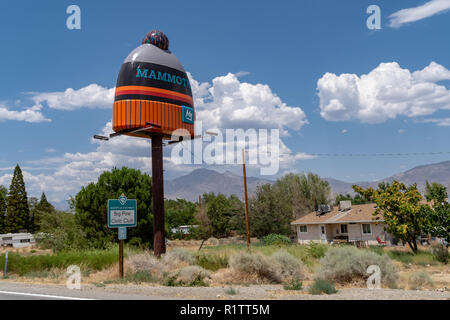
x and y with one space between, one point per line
322 286
294 284
440 252
93 259
419 280
143 262
188 276
212 262
346 264
275 239
255 264
377 249
212 242
139 277
287 265
178 254
419 258
316 250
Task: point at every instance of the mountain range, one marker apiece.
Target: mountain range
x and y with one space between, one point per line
199 181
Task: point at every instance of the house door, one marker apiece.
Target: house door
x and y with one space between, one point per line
323 233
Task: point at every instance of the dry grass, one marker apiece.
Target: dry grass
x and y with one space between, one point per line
31 250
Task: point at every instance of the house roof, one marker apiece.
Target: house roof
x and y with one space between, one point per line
358 213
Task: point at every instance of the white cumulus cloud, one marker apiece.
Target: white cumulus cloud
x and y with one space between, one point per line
428 9
91 96
229 103
384 93
32 114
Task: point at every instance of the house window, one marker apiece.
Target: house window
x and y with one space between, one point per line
366 229
344 228
303 229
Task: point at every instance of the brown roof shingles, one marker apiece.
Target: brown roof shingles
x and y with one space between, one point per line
360 212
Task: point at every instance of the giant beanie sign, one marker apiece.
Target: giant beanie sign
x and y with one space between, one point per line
152 87
153 99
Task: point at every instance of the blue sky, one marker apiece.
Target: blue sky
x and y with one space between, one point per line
289 47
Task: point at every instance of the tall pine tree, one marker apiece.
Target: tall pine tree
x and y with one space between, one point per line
41 208
3 197
18 213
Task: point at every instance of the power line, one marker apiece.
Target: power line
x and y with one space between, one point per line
377 154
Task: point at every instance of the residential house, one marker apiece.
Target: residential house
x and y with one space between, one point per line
343 223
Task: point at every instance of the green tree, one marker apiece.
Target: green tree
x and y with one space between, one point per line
220 210
435 192
18 213
357 199
43 206
405 215
179 212
59 231
3 197
32 205
90 206
269 212
204 229
302 192
439 222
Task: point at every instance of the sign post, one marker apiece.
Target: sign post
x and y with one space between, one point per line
6 265
122 213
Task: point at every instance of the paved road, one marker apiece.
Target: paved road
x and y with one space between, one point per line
21 291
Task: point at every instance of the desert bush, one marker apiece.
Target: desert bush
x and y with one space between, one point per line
346 264
322 286
440 252
377 249
143 261
275 239
188 276
255 264
178 254
287 265
293 284
140 276
212 262
316 250
212 242
419 280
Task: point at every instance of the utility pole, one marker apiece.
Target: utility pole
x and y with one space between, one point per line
246 200
159 243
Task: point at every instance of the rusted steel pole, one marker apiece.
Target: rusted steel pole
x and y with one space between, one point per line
246 200
159 244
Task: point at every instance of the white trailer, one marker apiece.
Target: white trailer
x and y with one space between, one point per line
17 240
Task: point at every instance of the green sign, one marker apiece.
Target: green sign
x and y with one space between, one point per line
122 233
122 212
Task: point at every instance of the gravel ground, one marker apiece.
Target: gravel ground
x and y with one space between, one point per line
270 292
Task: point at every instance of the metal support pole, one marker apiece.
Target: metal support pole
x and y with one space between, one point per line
159 243
246 200
121 258
6 265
